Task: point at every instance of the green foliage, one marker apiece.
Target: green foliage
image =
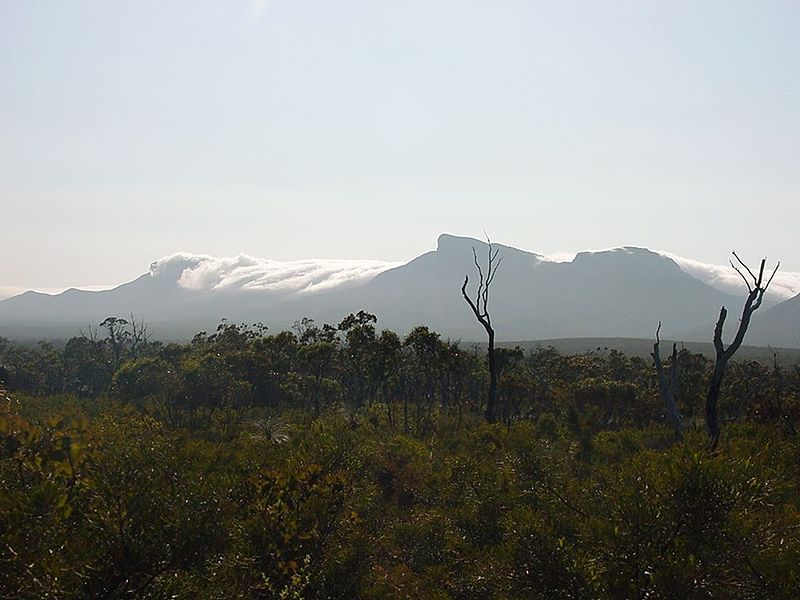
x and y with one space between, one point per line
347 462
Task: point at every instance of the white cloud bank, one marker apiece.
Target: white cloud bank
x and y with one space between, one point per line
201 272
785 285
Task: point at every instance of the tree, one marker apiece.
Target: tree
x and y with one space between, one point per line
357 353
669 388
755 294
118 338
423 364
139 336
480 308
388 358
86 362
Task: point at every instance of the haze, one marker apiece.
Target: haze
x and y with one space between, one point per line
362 129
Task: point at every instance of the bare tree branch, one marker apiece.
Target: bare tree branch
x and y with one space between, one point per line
739 260
755 296
775 270
480 308
746 282
668 389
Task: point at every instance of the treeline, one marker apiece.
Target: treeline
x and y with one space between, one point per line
341 461
406 380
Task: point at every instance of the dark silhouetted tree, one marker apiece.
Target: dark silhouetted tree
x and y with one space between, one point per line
480 308
756 287
119 338
669 388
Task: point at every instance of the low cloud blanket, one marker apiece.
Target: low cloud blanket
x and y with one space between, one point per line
243 272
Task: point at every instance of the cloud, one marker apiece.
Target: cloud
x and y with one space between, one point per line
243 272
785 285
559 257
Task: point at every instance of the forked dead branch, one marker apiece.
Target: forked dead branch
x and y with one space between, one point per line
756 288
480 308
668 389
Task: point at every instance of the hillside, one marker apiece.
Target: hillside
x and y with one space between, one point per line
622 292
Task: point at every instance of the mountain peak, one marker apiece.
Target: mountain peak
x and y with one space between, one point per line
631 256
447 242
618 291
462 246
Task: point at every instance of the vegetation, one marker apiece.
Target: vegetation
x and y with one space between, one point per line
348 462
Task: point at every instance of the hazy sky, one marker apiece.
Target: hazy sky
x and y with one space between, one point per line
292 129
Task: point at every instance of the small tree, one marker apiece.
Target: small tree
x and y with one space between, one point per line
480 308
669 388
755 294
119 338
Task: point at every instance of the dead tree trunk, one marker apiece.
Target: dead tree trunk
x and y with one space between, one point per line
755 294
480 308
668 388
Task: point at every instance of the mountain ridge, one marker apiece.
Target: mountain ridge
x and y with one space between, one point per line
620 292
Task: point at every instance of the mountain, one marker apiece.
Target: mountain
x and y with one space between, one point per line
778 326
614 293
621 292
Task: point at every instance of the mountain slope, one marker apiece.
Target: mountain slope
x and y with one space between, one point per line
621 293
779 325
613 293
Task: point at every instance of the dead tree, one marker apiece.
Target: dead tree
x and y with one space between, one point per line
140 336
480 308
755 294
668 388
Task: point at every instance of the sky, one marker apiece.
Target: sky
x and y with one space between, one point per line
299 129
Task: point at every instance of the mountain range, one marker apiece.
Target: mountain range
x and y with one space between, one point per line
623 292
